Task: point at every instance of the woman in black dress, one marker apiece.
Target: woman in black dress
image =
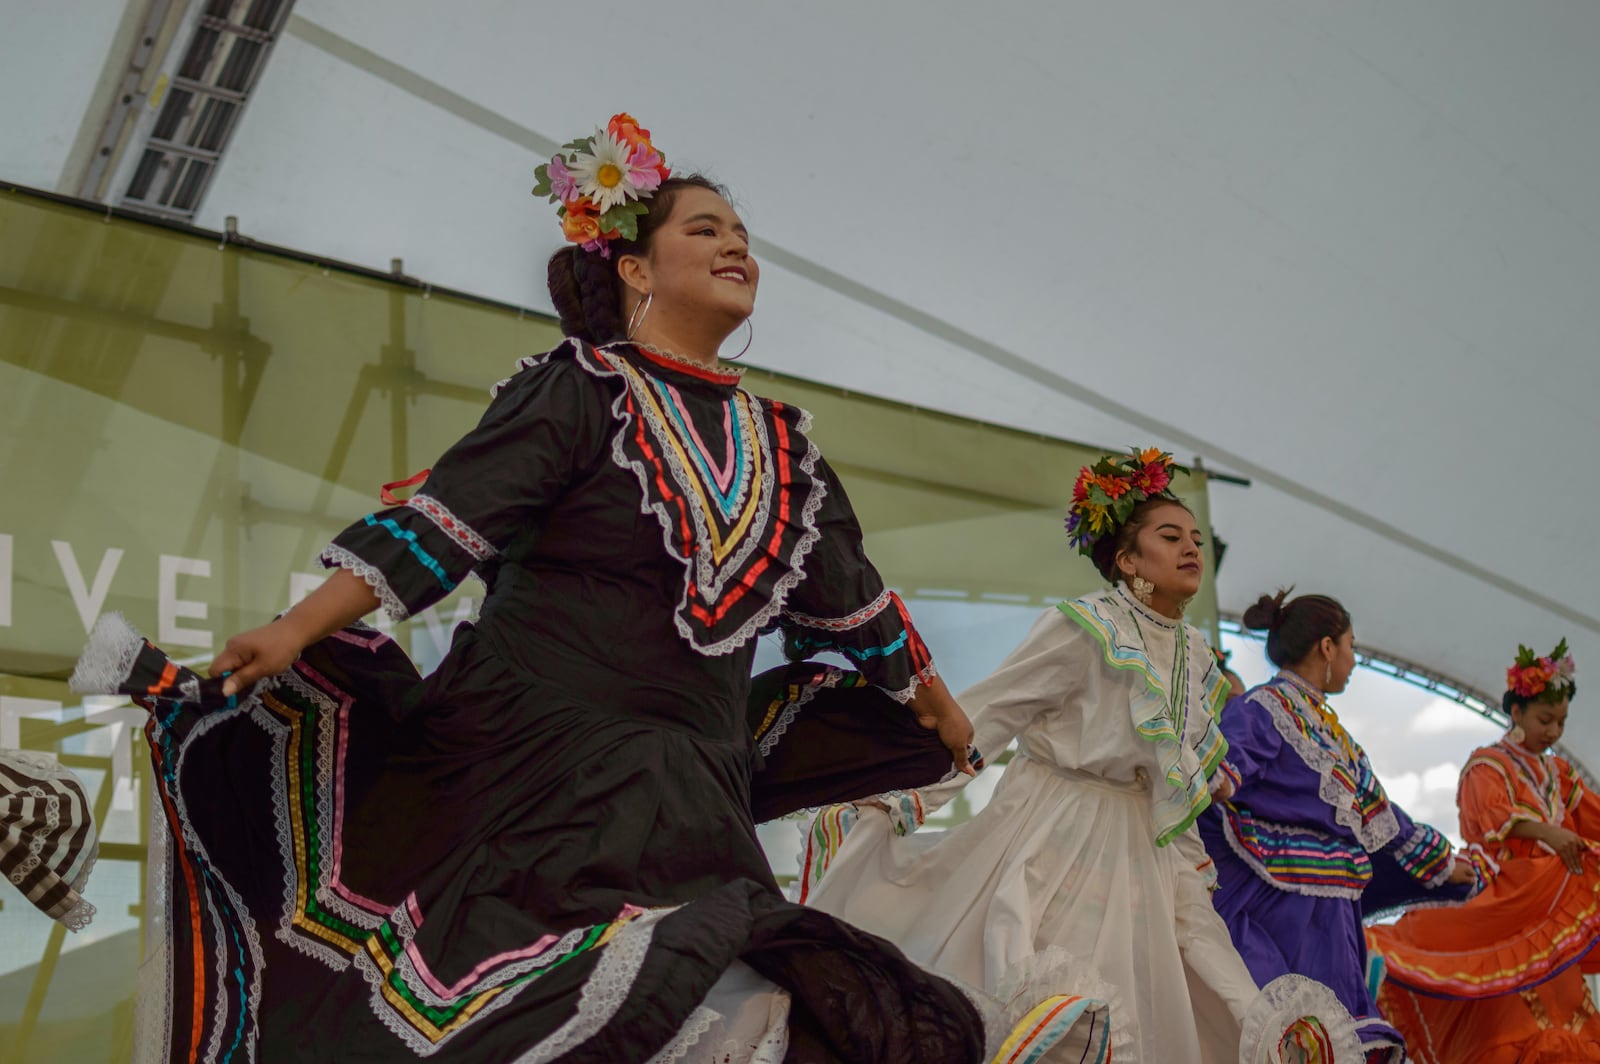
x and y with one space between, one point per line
545 850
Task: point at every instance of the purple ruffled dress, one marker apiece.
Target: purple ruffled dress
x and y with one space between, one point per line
1310 845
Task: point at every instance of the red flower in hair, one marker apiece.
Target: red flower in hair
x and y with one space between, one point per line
1152 479
1080 490
1527 681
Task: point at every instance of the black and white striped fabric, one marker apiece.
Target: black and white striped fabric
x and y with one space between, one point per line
48 841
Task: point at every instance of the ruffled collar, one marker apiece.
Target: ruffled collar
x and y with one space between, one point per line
1346 783
1318 697
1145 611
1176 712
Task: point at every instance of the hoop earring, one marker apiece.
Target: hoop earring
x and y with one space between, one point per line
1142 589
641 310
748 341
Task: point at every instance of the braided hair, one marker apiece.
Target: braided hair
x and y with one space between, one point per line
584 285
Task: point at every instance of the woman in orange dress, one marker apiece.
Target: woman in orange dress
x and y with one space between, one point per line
1499 980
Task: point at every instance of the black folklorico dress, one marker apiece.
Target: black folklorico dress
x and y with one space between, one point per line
546 849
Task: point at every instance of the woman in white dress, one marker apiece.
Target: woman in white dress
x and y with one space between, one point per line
1084 872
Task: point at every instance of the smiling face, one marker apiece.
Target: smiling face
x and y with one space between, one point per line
1166 552
1542 723
698 265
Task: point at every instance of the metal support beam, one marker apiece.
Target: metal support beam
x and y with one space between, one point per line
188 80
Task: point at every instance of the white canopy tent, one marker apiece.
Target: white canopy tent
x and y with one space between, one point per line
1350 251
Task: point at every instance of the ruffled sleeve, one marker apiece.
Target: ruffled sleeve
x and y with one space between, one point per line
842 605
544 428
1420 850
1413 867
1487 802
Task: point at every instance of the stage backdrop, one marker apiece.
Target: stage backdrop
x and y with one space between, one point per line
185 421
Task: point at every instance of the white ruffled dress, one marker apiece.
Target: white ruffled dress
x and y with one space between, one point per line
1084 874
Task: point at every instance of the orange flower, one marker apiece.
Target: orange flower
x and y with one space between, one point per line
626 129
1149 455
581 223
1116 487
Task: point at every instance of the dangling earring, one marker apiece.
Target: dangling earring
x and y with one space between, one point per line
1327 677
748 341
640 310
1516 734
1142 589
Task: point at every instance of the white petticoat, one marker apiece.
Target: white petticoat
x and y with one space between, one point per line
1065 862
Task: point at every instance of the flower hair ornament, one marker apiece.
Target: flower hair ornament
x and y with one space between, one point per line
600 184
1106 493
1550 678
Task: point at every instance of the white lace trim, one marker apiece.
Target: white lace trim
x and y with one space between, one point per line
344 559
844 624
1053 971
108 659
528 362
694 1029
603 994
1374 836
1243 853
707 1025
332 721
81 915
700 571
1283 1002
770 740
733 373
278 732
461 534
907 693
252 944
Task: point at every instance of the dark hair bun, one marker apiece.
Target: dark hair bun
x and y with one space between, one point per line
1267 613
1295 627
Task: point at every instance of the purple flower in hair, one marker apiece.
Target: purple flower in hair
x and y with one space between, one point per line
561 180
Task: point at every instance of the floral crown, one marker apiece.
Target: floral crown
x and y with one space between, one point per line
600 183
1543 679
1106 493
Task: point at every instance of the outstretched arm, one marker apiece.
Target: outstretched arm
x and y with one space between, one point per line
343 599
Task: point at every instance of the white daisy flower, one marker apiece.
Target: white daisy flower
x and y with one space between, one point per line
603 175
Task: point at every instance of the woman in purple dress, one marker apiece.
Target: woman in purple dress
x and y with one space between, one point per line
1308 843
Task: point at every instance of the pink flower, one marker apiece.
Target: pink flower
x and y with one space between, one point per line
646 169
561 181
1566 666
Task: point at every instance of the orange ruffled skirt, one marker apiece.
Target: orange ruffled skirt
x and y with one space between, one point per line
1499 980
